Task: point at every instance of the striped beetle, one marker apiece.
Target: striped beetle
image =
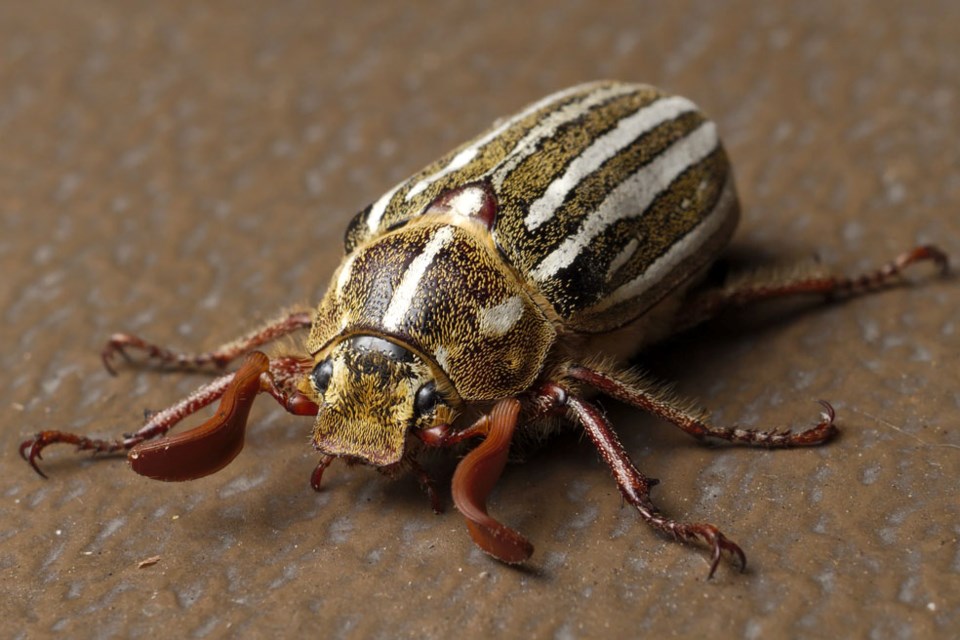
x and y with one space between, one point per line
491 291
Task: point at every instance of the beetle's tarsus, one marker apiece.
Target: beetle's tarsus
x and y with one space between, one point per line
155 354
819 433
106 355
44 439
717 542
34 454
922 253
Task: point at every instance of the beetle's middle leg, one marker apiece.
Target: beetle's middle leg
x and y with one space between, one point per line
647 396
120 343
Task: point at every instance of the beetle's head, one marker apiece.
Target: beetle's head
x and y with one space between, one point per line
371 393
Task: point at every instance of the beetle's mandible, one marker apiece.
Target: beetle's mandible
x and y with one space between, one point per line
487 295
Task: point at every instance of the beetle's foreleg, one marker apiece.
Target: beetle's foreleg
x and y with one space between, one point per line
425 480
653 399
120 343
156 425
702 305
635 487
316 478
279 381
214 444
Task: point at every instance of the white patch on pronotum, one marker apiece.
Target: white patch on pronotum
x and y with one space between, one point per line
632 196
403 294
498 320
602 149
344 276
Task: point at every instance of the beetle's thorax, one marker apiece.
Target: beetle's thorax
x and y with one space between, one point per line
438 288
441 289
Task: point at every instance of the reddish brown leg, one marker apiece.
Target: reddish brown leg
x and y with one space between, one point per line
119 343
279 381
316 478
706 304
426 483
652 399
635 487
443 435
215 443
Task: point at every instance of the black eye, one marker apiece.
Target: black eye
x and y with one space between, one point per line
321 375
426 398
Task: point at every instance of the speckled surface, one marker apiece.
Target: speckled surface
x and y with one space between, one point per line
184 170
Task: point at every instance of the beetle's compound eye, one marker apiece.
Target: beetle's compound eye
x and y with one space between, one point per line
426 398
321 375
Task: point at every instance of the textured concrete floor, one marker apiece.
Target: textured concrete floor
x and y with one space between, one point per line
183 170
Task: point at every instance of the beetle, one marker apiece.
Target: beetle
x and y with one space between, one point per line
491 293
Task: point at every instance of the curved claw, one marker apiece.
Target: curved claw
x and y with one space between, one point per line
475 477
106 356
925 252
215 443
116 345
821 432
44 439
36 446
718 544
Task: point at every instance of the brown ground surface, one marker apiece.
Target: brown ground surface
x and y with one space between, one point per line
183 170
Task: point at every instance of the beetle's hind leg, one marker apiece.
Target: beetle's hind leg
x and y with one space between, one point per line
650 397
704 304
635 487
120 343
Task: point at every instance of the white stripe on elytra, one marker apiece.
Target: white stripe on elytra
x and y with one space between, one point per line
622 258
632 196
465 156
548 126
380 206
666 263
602 149
407 289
